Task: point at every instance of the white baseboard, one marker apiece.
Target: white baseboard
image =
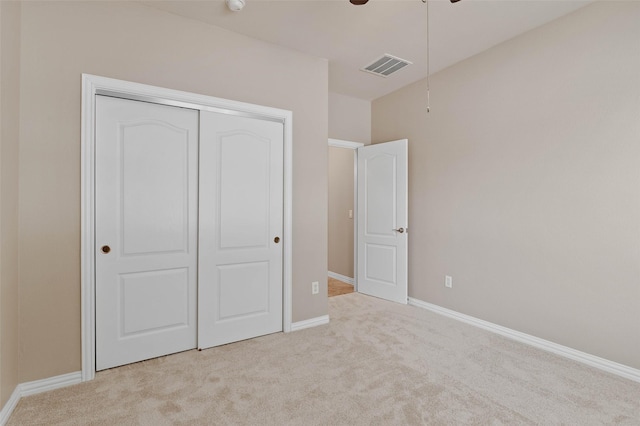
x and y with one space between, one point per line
339 277
44 385
37 386
564 351
313 322
10 406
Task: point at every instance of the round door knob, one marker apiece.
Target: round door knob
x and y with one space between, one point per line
399 230
276 240
105 249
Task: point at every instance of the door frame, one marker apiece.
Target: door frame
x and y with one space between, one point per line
338 143
94 85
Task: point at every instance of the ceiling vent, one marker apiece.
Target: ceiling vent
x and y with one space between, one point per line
386 65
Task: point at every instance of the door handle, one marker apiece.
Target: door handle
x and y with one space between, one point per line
399 230
105 249
276 240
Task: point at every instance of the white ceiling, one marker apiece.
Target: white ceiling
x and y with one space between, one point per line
351 37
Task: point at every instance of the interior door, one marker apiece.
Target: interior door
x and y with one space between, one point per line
146 230
241 214
383 220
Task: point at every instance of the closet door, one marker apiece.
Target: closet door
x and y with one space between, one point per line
146 230
240 228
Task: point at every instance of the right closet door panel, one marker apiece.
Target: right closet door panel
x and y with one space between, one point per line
240 228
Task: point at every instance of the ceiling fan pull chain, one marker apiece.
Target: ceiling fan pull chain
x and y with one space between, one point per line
426 2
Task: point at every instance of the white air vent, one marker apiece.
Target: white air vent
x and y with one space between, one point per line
386 65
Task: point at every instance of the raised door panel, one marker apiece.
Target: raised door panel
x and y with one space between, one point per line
235 283
167 309
380 194
244 165
381 264
154 188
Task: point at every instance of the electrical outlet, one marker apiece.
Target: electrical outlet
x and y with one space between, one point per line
448 281
315 287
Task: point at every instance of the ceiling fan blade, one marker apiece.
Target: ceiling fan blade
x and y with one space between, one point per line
358 2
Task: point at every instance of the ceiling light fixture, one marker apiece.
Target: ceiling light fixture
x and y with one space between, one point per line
235 5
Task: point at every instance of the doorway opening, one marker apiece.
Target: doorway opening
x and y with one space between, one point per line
380 219
342 209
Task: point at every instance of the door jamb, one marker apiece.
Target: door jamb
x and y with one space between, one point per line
91 85
338 143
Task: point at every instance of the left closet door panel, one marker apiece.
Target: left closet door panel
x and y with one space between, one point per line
146 230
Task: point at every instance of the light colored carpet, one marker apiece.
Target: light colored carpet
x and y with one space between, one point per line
338 288
376 363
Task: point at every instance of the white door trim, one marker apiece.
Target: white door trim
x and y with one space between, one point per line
338 143
91 85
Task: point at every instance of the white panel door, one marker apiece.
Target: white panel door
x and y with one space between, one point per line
383 220
146 230
241 213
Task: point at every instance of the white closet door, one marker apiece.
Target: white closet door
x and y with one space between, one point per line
146 230
241 213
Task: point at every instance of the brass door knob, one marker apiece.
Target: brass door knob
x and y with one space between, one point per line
399 230
276 240
105 249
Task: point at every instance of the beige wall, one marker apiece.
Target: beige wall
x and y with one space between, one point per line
349 118
340 202
524 182
133 42
9 134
